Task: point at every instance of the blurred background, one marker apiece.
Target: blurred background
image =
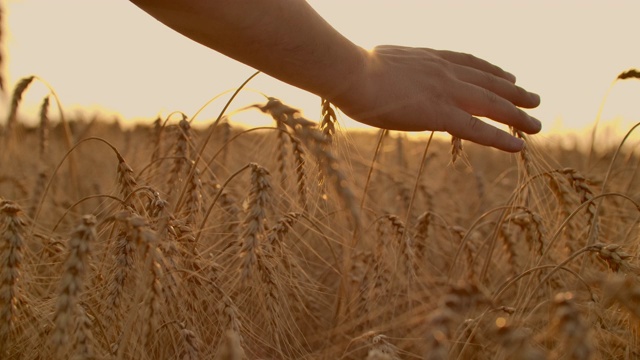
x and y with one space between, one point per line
110 57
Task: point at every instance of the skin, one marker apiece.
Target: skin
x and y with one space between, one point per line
391 87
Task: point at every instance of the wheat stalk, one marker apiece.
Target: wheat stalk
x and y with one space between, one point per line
72 284
12 119
124 261
406 245
181 155
320 147
569 324
125 178
231 347
82 347
281 157
456 149
11 254
625 290
193 202
329 119
255 219
191 344
525 153
299 158
579 184
44 128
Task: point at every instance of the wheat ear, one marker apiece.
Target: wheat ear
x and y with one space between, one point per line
315 140
255 219
11 249
569 325
12 120
329 120
72 283
43 129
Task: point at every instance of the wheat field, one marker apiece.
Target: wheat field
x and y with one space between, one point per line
305 241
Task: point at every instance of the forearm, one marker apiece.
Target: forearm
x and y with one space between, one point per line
286 39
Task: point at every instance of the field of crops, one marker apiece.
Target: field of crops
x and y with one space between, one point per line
304 241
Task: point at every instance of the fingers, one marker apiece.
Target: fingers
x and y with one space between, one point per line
476 63
470 128
481 102
497 85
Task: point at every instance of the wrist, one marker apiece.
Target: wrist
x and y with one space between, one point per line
349 85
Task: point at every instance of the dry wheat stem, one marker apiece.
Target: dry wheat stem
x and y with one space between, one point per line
423 162
625 290
319 146
506 285
376 152
504 209
593 228
556 235
59 165
226 135
228 142
299 158
72 206
213 202
211 130
281 157
605 251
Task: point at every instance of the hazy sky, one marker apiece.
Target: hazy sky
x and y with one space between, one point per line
110 54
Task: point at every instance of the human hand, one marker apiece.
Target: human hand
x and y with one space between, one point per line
417 89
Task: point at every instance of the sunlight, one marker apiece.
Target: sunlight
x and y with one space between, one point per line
137 68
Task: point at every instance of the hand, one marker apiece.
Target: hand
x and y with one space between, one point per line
416 89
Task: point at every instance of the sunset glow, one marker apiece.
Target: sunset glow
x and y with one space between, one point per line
110 55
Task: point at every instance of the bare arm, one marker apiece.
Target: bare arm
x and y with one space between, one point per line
286 39
390 87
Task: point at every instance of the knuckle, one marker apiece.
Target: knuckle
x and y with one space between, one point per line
473 124
468 57
489 79
491 97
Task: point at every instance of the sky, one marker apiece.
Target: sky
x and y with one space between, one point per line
110 55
